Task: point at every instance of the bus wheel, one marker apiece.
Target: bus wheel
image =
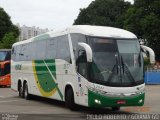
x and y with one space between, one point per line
69 99
26 95
115 108
21 91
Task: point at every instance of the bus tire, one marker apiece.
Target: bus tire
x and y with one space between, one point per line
69 99
26 95
20 91
115 108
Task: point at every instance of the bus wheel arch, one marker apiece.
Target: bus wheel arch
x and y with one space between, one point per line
26 94
69 97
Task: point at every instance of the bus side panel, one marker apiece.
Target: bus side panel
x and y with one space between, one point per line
5 73
77 82
47 81
15 76
5 80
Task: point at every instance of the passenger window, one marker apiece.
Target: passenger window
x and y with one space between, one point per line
13 53
63 50
40 50
82 63
8 56
23 54
51 49
7 69
76 37
31 51
18 52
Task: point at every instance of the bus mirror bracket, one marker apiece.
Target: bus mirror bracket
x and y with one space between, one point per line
88 51
151 53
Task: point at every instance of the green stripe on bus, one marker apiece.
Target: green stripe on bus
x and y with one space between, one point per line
46 75
52 67
44 78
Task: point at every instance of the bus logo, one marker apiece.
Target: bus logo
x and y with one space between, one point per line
18 67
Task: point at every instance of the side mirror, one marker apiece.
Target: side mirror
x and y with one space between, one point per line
88 51
151 53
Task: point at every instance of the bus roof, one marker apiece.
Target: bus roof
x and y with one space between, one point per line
97 31
101 31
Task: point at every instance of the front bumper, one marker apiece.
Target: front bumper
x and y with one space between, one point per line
98 100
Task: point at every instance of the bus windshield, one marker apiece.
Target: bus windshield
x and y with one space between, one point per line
116 62
3 55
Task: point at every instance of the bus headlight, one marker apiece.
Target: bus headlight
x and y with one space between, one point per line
140 101
97 101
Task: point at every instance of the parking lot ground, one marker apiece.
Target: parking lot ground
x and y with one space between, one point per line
42 108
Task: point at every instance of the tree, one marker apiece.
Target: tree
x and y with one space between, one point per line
5 23
143 19
104 13
7 29
8 40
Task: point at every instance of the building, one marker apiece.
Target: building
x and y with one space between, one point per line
29 32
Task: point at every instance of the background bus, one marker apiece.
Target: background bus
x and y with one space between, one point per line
92 66
5 56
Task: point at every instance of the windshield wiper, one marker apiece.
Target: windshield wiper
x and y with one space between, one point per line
127 71
114 70
122 64
118 68
116 63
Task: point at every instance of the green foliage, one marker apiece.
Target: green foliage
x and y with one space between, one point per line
146 62
5 23
104 13
143 19
8 40
8 31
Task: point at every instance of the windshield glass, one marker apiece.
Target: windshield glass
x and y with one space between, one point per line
3 55
116 62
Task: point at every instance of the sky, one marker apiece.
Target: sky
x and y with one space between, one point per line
51 14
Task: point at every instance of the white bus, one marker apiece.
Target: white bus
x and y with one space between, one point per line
91 66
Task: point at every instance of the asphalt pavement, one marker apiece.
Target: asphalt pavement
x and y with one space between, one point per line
14 107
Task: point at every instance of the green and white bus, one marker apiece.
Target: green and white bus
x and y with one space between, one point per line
91 66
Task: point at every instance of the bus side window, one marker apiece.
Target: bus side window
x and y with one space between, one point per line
51 49
31 51
13 50
63 49
82 63
40 50
8 56
13 53
7 69
76 37
17 54
24 54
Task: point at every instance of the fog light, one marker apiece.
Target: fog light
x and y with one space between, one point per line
97 101
140 101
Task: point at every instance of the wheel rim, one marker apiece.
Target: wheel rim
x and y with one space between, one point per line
25 92
21 91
